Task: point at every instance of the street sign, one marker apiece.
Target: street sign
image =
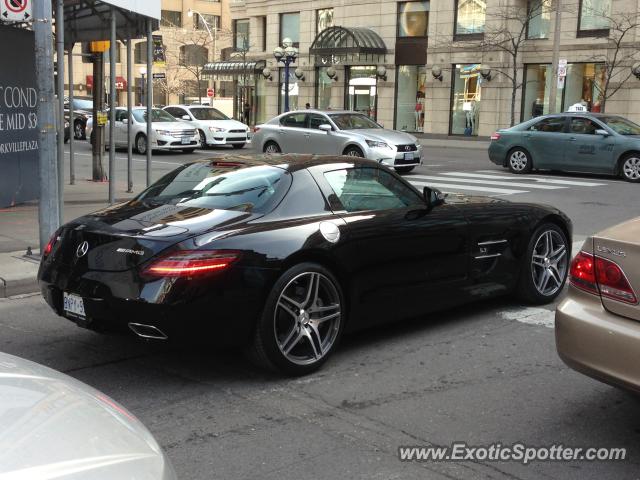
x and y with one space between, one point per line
562 67
210 92
15 10
159 76
102 119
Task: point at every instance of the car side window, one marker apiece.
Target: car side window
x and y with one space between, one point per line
295 120
583 126
552 124
316 120
175 112
121 115
360 189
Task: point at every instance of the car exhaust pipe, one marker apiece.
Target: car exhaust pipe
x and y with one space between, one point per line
148 331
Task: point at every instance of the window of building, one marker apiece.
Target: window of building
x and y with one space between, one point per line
212 21
410 96
324 19
413 19
465 99
594 17
262 23
118 53
170 18
538 80
323 88
290 27
140 52
193 55
362 92
539 19
470 17
241 34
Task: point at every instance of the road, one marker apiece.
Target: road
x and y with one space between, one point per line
483 374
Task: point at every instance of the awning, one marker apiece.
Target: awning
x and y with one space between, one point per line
336 44
233 68
121 83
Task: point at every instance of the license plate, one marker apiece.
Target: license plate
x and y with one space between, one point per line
408 156
186 140
73 304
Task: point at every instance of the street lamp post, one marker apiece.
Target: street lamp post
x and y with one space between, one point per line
286 55
143 72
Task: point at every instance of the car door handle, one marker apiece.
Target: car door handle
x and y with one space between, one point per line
281 132
572 139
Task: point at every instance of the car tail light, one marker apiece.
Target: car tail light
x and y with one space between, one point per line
49 246
188 263
602 277
495 136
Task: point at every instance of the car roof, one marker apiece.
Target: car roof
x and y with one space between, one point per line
290 161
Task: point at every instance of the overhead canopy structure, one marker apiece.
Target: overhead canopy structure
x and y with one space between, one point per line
232 68
339 44
90 20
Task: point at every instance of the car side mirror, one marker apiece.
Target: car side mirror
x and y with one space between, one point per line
602 131
432 197
325 127
186 117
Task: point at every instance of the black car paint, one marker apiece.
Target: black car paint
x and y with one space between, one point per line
391 264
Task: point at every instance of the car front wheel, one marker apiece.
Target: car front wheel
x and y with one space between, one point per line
302 321
519 161
141 144
353 152
630 168
78 131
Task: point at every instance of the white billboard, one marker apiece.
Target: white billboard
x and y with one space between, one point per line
148 8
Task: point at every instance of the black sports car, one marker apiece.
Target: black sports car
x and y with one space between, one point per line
284 253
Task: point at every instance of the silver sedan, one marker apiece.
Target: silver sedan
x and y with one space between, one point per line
338 133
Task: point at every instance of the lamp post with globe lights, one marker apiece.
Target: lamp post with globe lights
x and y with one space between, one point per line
286 54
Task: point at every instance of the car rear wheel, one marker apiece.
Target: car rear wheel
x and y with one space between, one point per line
271 147
545 266
519 161
203 139
403 170
141 144
353 152
630 168
302 321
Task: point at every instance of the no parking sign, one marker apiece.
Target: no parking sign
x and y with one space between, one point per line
15 10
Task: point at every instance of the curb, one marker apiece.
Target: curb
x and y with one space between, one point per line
18 274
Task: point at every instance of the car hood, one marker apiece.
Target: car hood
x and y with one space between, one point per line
53 426
171 126
392 137
226 124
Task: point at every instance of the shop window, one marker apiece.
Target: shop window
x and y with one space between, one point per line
538 80
293 90
170 18
470 16
410 97
323 89
324 19
594 17
362 94
539 19
413 19
465 99
290 27
241 35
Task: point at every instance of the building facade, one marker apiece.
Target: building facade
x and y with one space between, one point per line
418 65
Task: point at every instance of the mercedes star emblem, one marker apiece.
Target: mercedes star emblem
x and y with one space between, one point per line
82 249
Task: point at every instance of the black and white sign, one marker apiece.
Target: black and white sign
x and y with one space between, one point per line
15 10
18 118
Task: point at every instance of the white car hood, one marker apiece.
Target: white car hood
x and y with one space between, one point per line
170 126
55 427
226 124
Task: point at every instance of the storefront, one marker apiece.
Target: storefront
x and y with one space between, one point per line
362 89
466 94
583 84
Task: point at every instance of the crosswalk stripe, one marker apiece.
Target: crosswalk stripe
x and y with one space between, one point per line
554 181
486 182
455 187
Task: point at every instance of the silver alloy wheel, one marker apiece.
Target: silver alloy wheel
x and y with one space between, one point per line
141 144
631 168
549 262
307 318
78 130
271 148
518 160
354 153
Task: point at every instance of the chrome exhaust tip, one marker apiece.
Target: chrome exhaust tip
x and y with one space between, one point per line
147 331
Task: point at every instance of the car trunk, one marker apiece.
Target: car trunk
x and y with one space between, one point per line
620 245
123 237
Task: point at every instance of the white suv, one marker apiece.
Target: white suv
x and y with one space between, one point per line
213 126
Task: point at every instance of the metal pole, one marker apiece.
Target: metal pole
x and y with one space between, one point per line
553 93
112 109
149 96
72 160
142 90
129 117
48 214
60 62
286 84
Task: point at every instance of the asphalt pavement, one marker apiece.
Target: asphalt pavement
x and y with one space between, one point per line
482 374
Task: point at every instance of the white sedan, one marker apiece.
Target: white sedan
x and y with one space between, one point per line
213 126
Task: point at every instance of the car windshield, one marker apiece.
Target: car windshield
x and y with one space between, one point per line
353 121
82 104
208 114
621 125
157 115
219 185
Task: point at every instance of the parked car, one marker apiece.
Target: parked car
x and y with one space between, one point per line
67 131
572 142
213 126
54 426
82 111
598 324
167 132
285 252
338 133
